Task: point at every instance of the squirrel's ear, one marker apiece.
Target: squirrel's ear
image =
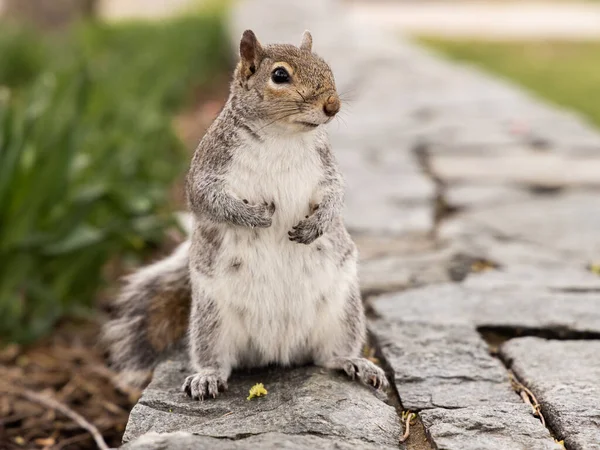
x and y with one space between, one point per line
250 53
306 41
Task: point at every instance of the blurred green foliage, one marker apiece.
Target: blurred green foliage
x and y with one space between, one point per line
564 72
87 154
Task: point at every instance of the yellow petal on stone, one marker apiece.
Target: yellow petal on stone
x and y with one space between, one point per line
258 390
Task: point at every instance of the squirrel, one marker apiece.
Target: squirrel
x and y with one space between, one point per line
269 274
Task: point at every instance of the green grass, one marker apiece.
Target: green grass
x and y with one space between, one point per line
88 153
566 73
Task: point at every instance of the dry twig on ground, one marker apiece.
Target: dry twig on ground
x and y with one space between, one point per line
527 397
58 406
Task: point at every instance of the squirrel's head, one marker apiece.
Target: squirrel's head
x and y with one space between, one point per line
285 85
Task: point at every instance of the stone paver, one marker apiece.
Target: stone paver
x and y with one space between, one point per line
442 366
568 223
565 376
115 10
517 309
396 273
303 401
188 441
472 195
531 19
521 175
502 426
534 169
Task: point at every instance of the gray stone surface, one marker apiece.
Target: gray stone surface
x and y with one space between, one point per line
397 273
373 247
526 168
565 377
569 223
267 441
502 426
442 366
526 308
552 278
364 216
484 243
472 195
303 401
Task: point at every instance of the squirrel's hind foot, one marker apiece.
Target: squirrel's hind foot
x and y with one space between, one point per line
362 369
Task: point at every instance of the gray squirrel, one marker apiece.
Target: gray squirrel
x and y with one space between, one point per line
269 275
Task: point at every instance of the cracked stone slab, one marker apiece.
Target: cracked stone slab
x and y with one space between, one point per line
395 273
385 192
567 131
387 266
267 441
529 168
363 215
441 366
500 426
518 308
399 189
568 223
472 195
380 246
552 278
565 377
380 202
306 400
484 243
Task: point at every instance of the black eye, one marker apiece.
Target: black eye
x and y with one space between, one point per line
280 75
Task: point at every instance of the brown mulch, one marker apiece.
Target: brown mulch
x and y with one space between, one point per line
68 367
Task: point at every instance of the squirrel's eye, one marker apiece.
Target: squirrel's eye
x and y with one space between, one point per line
280 75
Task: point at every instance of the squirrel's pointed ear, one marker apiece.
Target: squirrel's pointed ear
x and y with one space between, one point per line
306 41
250 53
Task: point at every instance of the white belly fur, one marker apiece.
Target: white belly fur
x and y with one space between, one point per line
285 299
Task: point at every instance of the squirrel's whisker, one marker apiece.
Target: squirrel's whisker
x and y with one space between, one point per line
277 120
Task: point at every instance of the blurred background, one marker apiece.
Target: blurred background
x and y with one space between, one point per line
102 103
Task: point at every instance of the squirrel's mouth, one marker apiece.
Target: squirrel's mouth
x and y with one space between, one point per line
309 124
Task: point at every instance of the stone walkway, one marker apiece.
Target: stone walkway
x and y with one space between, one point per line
114 10
490 19
476 210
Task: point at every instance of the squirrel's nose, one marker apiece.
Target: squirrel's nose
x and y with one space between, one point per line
331 105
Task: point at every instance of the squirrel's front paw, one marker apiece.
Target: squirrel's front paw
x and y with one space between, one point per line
261 215
201 385
306 231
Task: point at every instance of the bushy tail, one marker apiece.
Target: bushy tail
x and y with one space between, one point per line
152 317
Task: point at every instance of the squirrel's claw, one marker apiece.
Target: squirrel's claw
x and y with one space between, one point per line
204 385
363 369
